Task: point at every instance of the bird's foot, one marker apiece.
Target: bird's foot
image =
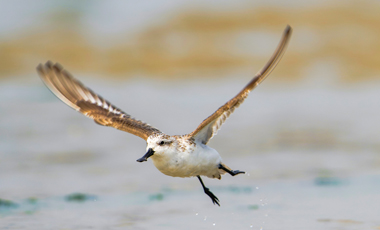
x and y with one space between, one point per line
231 172
235 172
214 199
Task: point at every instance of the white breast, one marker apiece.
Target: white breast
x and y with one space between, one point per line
200 160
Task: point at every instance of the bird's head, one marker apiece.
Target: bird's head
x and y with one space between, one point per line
159 145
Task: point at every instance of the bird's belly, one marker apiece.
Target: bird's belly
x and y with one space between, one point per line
188 170
191 164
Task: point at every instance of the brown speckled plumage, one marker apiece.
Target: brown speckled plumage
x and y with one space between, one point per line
178 155
209 127
79 97
185 143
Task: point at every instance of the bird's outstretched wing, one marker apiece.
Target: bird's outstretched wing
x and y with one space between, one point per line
209 127
84 100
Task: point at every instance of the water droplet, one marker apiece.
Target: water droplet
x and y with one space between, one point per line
247 174
257 187
251 226
261 228
213 224
205 218
266 215
196 214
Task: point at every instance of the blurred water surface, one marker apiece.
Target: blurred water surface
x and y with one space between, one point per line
310 162
307 137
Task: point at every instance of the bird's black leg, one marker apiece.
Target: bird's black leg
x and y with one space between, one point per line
231 172
214 199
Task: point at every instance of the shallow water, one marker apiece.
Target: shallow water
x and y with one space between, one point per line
287 203
311 154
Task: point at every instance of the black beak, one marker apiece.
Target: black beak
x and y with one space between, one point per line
147 155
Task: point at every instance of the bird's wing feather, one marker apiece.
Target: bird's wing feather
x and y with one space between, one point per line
209 127
84 100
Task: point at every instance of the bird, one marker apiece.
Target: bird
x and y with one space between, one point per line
177 155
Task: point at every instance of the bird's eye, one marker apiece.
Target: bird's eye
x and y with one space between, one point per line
161 143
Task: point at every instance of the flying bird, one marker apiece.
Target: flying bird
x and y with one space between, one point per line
178 155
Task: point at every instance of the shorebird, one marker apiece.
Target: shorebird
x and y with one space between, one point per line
178 155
